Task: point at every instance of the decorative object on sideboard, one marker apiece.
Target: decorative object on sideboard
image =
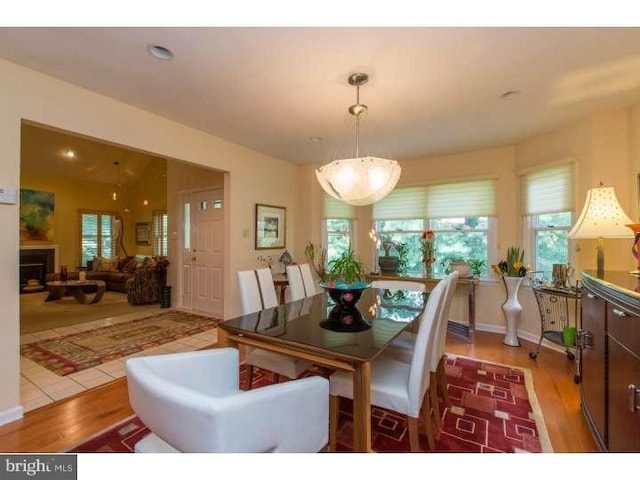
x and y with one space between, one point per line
601 217
635 249
316 255
359 180
427 248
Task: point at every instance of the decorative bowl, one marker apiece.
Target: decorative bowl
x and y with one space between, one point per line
345 294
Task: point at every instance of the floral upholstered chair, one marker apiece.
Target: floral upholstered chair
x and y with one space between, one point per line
144 286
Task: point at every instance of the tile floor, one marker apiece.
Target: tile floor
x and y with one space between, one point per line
39 386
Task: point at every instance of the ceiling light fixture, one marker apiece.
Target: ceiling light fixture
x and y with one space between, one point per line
359 180
160 52
70 154
114 194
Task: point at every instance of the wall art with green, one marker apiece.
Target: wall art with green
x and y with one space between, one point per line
36 216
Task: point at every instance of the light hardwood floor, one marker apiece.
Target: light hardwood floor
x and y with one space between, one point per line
59 426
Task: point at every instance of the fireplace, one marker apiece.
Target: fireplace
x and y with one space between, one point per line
35 263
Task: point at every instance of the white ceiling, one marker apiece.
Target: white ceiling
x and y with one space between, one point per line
433 90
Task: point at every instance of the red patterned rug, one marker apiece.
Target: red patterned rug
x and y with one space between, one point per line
78 351
494 409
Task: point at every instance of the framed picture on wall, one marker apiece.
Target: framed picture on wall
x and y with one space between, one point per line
143 233
270 226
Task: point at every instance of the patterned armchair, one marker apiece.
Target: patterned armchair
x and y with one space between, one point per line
143 287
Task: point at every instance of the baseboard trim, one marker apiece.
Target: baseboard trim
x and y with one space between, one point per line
11 415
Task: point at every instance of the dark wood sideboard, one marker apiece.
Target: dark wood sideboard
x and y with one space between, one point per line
610 341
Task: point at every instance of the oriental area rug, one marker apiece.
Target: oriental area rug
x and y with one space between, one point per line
78 351
493 409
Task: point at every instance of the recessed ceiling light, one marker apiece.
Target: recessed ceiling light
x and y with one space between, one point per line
510 94
315 139
70 154
160 52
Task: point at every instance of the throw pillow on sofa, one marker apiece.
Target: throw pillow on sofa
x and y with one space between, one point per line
102 264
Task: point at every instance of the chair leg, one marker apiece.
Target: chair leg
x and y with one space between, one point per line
334 409
442 381
249 376
433 393
414 441
426 419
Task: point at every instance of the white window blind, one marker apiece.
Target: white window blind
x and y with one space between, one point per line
160 239
401 204
462 199
334 208
547 191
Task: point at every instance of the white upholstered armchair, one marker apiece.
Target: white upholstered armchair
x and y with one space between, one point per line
192 402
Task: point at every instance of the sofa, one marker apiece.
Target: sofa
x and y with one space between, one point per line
137 276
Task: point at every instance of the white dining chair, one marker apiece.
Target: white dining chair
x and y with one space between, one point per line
192 402
402 347
307 280
267 288
257 292
296 284
249 292
396 385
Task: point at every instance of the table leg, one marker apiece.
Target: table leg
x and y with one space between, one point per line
362 407
55 292
223 339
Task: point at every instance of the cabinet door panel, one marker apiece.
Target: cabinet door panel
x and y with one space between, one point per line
593 384
624 425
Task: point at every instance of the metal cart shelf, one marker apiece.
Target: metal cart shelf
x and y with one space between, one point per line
556 317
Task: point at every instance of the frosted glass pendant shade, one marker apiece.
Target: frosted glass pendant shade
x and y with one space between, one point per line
359 181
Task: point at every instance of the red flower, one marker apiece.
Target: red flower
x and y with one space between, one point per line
427 234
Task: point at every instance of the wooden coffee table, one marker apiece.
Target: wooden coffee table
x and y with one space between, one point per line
58 289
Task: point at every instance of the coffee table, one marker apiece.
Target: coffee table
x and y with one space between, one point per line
77 289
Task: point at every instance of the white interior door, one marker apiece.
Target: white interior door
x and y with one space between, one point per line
202 286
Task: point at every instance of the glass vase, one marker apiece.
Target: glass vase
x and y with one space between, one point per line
428 269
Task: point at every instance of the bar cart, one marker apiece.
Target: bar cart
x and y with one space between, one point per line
559 319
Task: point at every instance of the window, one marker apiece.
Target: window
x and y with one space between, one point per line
461 215
338 226
97 235
465 237
547 197
160 245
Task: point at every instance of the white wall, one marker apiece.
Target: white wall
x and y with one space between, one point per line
251 178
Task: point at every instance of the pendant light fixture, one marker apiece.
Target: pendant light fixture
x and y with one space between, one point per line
359 180
114 194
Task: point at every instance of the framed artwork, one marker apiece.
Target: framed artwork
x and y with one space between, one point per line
143 233
36 216
270 226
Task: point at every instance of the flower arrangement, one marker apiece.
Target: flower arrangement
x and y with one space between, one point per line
513 266
427 246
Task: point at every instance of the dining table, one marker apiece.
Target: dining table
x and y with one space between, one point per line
334 336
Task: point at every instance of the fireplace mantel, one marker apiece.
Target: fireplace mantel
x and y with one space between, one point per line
56 261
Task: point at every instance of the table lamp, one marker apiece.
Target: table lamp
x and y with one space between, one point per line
601 217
